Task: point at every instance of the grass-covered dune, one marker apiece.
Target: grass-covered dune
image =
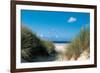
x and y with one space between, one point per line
79 45
33 48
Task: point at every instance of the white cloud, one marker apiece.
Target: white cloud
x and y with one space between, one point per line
72 19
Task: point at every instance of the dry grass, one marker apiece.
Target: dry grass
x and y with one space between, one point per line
78 44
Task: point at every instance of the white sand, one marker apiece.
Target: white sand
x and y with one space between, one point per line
60 47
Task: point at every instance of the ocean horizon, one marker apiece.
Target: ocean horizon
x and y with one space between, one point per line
61 41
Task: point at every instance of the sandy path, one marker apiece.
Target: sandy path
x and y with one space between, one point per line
61 50
60 47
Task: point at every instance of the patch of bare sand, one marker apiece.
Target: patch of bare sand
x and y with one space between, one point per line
60 47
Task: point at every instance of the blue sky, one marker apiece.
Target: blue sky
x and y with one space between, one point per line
53 25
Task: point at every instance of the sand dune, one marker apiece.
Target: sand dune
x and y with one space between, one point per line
60 48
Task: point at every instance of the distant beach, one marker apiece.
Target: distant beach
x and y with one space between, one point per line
60 46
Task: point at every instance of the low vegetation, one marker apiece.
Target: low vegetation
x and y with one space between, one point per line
79 44
49 45
32 47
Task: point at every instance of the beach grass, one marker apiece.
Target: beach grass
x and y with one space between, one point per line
79 44
33 47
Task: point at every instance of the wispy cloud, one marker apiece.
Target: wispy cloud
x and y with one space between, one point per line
72 19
